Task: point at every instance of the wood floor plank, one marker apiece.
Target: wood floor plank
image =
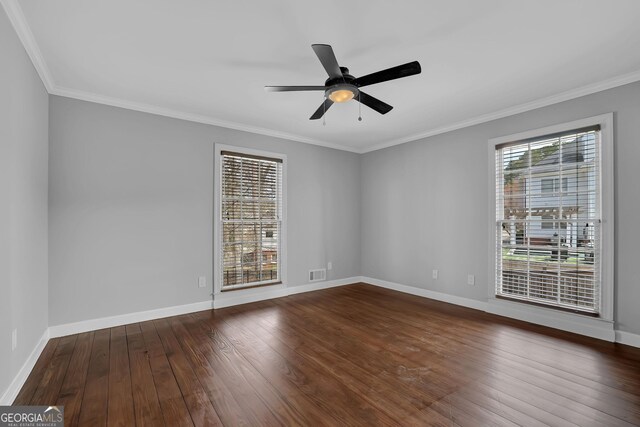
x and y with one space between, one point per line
407 380
352 355
373 326
552 392
326 391
386 397
283 323
145 397
415 361
280 381
174 408
585 395
517 410
33 380
301 338
472 323
53 377
93 411
250 387
200 407
448 335
120 411
72 391
220 395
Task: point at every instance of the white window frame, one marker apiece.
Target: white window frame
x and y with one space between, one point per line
217 218
548 315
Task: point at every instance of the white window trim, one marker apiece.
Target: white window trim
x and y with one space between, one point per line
217 215
555 318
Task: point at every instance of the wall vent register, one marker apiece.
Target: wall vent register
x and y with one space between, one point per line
317 275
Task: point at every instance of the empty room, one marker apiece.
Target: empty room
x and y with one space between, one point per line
319 213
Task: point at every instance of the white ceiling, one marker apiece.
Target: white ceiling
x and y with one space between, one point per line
209 60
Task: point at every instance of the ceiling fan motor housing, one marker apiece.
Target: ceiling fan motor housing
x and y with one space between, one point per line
346 78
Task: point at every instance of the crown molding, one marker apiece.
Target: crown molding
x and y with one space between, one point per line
19 22
517 109
167 112
22 29
539 103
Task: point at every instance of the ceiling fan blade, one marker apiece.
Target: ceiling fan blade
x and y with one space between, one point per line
373 103
405 70
292 88
322 109
327 59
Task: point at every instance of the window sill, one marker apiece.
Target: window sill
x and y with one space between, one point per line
250 286
249 294
546 306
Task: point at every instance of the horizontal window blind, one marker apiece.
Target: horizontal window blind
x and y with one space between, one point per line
548 219
251 217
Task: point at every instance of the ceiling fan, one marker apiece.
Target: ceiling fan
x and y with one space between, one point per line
342 86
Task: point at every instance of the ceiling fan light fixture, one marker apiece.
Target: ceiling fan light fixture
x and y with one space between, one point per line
341 93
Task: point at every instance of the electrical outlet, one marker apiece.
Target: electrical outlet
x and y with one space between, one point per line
329 265
434 274
471 279
202 282
14 339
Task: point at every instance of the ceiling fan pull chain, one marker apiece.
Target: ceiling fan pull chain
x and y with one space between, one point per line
359 108
324 113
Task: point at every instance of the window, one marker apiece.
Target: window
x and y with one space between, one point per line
551 225
250 220
548 215
552 185
547 185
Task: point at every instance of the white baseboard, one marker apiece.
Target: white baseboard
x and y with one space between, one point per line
228 299
310 287
597 331
595 328
221 300
425 293
565 321
125 319
12 391
628 338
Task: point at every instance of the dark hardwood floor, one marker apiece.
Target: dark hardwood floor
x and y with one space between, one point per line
354 355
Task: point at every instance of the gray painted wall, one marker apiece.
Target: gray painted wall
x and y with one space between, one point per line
131 209
23 204
425 203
